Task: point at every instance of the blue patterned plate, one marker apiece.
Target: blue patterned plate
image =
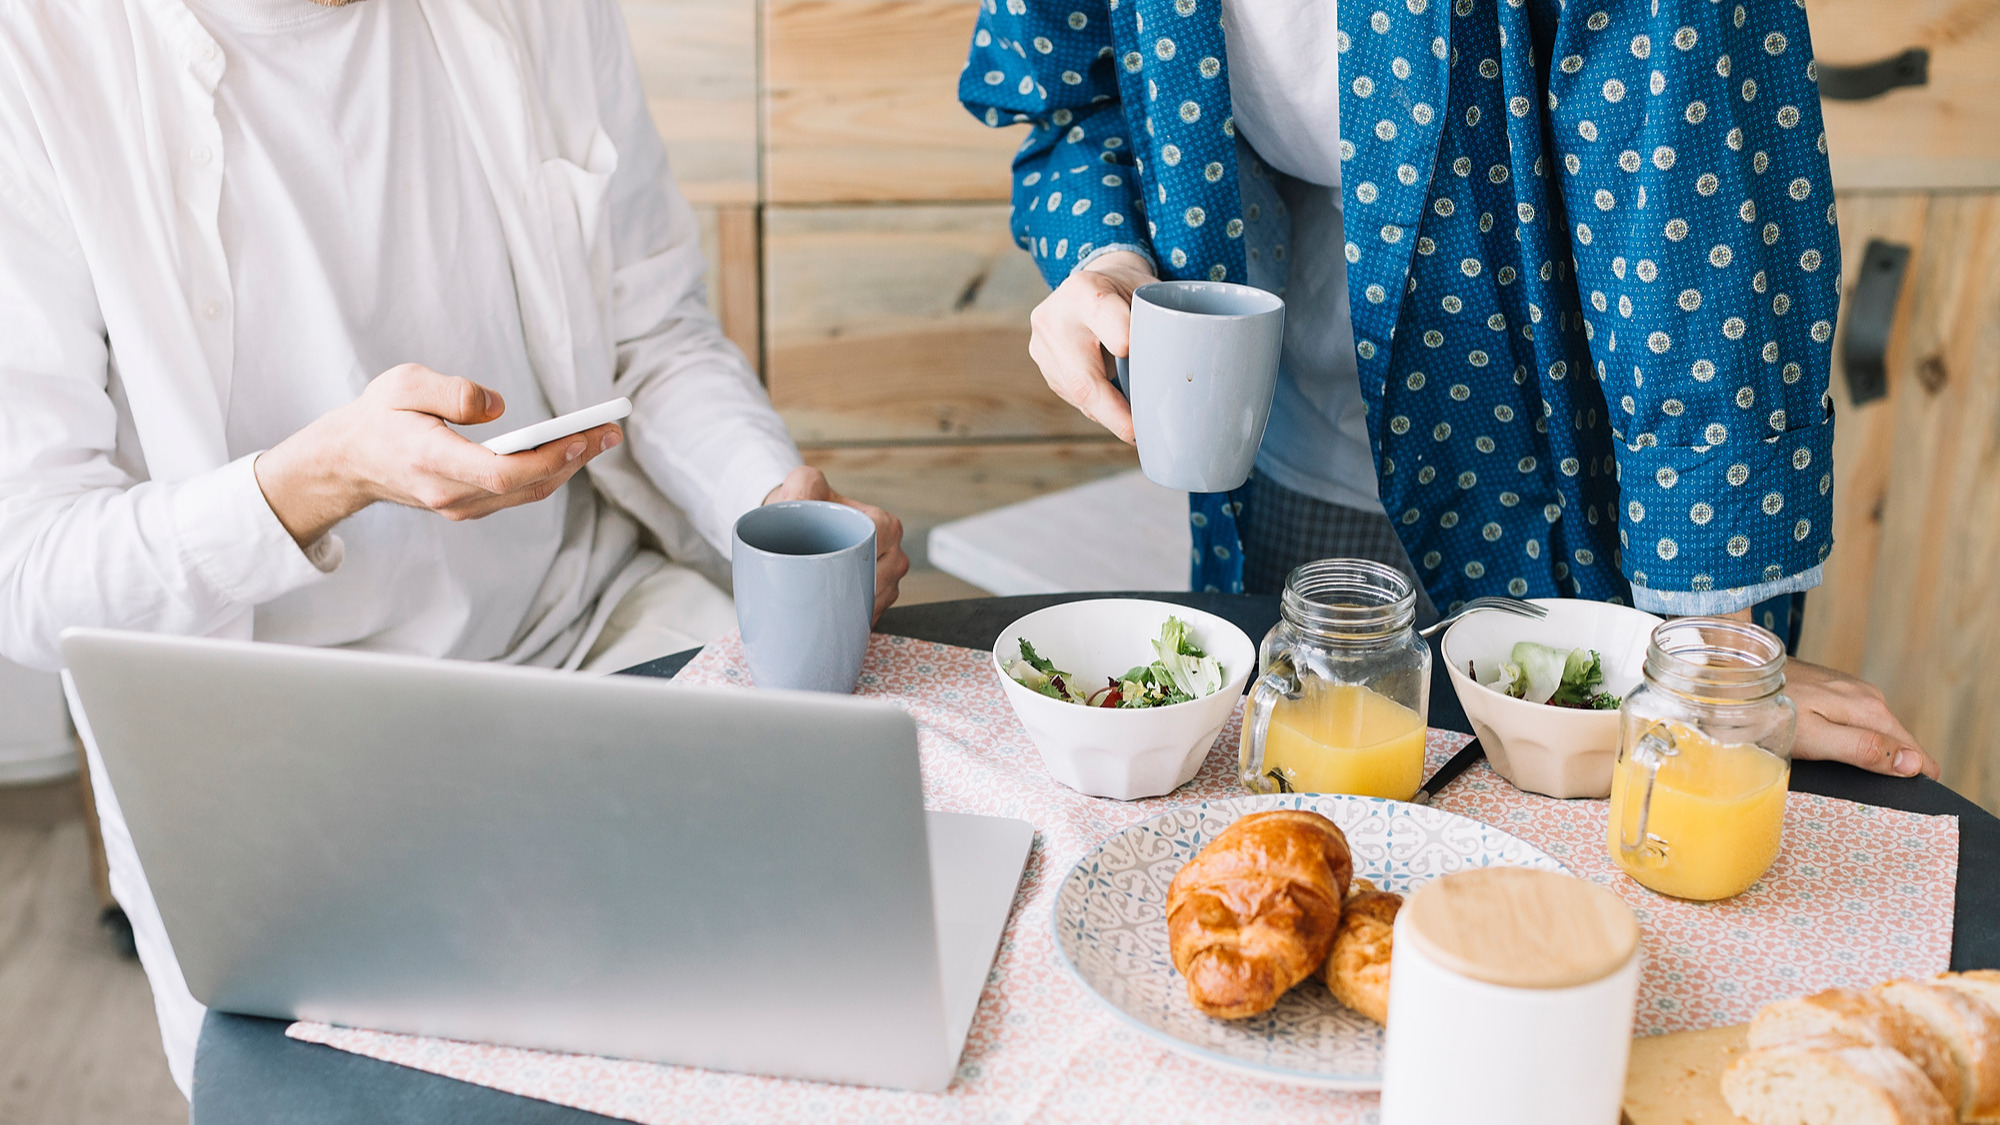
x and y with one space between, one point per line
1111 929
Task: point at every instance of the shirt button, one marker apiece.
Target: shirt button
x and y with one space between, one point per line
198 154
209 52
211 309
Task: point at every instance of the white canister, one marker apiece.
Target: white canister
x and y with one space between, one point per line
1510 1002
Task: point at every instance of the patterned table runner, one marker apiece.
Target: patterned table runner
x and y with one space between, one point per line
1860 894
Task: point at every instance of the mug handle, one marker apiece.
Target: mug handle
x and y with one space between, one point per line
1280 681
1649 753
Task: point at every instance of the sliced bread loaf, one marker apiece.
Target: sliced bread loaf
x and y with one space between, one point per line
1832 1086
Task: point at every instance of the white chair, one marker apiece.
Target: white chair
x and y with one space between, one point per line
34 727
1120 533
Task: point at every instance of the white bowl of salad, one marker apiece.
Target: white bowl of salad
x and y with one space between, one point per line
1543 694
1123 696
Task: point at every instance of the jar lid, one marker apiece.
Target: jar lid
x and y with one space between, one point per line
1521 928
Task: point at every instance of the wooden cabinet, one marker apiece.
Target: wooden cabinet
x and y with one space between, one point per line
1912 593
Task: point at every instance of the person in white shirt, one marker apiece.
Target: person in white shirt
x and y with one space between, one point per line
258 258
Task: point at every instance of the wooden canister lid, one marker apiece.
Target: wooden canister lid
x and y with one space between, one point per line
1521 928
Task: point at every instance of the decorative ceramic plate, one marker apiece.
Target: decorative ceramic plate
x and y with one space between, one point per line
1111 928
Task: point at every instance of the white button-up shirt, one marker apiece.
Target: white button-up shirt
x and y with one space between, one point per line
123 500
127 498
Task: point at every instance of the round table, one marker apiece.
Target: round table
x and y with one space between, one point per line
247 1072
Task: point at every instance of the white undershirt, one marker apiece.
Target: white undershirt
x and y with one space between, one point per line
1284 83
360 233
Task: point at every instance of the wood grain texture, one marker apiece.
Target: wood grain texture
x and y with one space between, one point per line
698 62
737 289
861 105
1913 597
904 323
926 485
78 1040
1836 627
1677 1079
1945 134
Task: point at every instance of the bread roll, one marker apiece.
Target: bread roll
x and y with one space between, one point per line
1357 971
1255 913
1847 1017
1980 984
1970 1030
1832 1086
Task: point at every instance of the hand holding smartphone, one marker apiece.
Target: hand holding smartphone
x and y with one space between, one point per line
575 422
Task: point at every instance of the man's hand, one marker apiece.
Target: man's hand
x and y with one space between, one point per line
392 444
1089 314
1844 719
808 483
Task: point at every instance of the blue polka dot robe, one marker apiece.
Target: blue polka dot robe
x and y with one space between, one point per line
1592 264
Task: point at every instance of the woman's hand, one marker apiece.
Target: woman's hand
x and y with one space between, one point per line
392 444
1089 314
891 564
1844 719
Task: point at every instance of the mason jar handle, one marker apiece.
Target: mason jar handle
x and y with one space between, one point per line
1280 681
1649 753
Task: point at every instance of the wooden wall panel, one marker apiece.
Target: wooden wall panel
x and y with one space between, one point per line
1917 572
1945 134
904 323
861 105
698 62
926 485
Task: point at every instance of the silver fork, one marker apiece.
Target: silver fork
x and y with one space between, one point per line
1505 605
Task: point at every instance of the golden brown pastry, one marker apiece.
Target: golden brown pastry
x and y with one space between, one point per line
1256 911
1832 1085
1971 1032
1357 971
1858 1019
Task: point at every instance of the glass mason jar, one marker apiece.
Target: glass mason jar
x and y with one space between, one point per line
1344 696
1704 760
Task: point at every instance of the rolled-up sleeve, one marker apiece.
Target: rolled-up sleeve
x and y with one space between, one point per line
1693 169
1076 191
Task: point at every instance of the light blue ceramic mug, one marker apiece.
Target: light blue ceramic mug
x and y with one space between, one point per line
804 572
1202 370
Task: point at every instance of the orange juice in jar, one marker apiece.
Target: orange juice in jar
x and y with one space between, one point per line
1343 701
1345 738
1704 761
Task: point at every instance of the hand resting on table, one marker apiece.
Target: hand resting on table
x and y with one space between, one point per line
1845 719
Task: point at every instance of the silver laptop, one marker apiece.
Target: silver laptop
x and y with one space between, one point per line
612 865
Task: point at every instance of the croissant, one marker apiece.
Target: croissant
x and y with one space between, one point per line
1256 911
1357 971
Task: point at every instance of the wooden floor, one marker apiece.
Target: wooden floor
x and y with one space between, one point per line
78 1044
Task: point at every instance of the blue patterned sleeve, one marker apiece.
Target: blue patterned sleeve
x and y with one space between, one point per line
1051 63
1692 167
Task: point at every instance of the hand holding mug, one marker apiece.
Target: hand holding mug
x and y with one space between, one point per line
1090 314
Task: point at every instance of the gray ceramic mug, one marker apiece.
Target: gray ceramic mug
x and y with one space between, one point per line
805 593
1203 368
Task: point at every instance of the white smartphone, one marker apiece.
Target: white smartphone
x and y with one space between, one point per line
575 422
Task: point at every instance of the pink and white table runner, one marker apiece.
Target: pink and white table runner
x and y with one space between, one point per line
1859 895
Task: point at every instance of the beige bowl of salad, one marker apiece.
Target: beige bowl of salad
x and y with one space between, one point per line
1543 694
1123 697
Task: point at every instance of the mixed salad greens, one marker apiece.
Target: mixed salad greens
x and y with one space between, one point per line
1181 673
1559 677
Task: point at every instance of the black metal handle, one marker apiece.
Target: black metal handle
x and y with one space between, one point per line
1871 309
1867 80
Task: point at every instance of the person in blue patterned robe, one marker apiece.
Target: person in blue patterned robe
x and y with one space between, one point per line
1591 271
